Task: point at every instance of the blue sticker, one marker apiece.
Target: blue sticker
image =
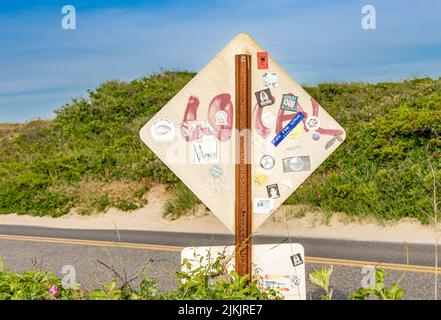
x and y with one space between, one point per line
288 128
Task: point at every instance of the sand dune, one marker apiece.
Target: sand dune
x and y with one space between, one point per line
284 223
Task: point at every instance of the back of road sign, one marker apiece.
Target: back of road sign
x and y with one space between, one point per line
279 266
193 134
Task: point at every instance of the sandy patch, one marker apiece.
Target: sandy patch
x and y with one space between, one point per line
146 218
282 223
339 226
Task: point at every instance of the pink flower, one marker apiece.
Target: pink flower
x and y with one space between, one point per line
390 138
54 291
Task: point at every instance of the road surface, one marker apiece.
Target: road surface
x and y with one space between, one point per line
23 248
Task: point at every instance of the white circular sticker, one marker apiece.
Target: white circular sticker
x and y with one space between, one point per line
296 163
312 123
162 130
221 117
267 162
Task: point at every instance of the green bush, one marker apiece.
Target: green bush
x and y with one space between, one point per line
379 290
214 281
183 202
199 283
321 278
380 170
45 164
34 285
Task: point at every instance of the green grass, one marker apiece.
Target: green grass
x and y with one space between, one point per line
382 169
90 156
183 202
49 167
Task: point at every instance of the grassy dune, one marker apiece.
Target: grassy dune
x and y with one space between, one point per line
90 157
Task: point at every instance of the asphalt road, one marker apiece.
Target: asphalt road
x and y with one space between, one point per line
129 252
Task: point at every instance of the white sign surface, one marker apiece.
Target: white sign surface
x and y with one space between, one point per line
193 134
281 266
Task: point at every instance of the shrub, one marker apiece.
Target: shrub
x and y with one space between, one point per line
33 285
380 170
379 290
215 281
183 202
200 283
321 278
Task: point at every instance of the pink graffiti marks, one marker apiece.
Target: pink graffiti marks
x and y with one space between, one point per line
258 123
282 117
194 129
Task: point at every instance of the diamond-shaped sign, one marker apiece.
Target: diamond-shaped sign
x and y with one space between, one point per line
193 134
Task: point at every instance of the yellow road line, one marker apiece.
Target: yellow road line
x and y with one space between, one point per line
156 247
383 265
141 246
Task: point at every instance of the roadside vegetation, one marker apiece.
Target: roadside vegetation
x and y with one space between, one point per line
203 281
183 202
90 157
378 290
393 131
210 281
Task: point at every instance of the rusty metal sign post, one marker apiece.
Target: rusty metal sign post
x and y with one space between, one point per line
243 203
203 134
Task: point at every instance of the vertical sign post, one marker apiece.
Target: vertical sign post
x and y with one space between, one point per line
243 206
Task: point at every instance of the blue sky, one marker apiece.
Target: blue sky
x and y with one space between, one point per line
43 66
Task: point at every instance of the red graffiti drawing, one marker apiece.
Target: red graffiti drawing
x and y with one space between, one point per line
282 117
258 124
193 129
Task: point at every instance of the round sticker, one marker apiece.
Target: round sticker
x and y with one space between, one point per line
216 172
296 163
267 162
221 118
162 130
312 123
316 136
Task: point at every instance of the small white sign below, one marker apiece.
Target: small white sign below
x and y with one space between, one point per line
280 266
